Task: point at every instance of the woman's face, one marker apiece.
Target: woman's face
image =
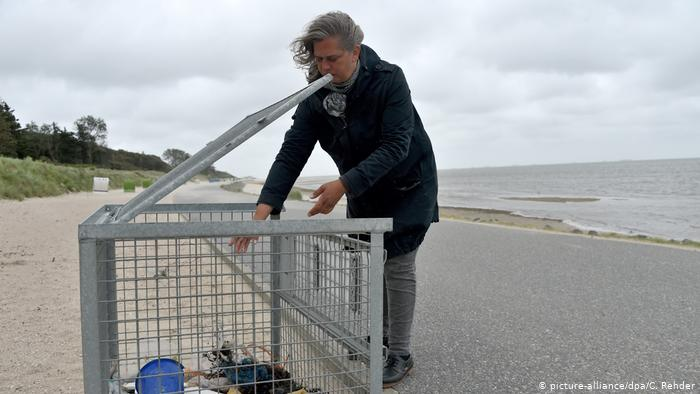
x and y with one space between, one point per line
332 58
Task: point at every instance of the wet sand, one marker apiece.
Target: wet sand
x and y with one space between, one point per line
553 199
504 218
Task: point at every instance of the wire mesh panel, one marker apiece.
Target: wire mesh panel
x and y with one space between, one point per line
325 297
292 313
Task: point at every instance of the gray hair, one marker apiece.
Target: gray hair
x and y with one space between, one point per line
333 24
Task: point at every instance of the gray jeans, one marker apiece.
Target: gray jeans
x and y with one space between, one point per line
399 301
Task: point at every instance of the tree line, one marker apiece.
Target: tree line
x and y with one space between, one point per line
175 157
85 144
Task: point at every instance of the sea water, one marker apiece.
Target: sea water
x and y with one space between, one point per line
659 198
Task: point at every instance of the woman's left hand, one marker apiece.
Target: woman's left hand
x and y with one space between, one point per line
328 195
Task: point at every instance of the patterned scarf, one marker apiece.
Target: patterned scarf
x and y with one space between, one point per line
336 101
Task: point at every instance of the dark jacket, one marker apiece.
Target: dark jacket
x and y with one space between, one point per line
381 149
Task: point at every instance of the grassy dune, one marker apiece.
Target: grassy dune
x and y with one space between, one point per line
20 179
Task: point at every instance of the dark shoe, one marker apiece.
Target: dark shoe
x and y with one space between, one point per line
395 369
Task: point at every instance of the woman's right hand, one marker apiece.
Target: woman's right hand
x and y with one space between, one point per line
241 244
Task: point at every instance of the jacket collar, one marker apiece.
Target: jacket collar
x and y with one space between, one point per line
368 57
369 63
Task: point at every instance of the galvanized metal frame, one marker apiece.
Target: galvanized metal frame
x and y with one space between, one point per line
98 234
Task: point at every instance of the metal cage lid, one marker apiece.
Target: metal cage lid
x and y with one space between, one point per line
212 152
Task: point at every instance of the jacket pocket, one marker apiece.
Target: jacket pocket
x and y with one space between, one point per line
409 180
404 185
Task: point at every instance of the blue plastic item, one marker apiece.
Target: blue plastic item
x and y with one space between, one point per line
162 375
246 372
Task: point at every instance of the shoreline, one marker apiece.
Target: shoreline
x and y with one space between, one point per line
504 218
485 216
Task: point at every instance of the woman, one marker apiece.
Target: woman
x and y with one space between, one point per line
367 123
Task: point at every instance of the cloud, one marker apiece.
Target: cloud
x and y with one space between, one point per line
138 43
495 82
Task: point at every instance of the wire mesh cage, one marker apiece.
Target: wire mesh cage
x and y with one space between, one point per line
167 306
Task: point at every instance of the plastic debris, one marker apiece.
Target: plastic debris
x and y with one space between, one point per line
246 374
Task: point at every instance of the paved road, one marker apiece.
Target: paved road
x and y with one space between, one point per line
501 310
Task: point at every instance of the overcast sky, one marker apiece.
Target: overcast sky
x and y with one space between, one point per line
497 83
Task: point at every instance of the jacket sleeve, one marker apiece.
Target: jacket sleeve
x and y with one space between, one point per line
298 144
395 141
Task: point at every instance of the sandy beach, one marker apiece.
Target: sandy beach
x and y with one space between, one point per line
40 298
